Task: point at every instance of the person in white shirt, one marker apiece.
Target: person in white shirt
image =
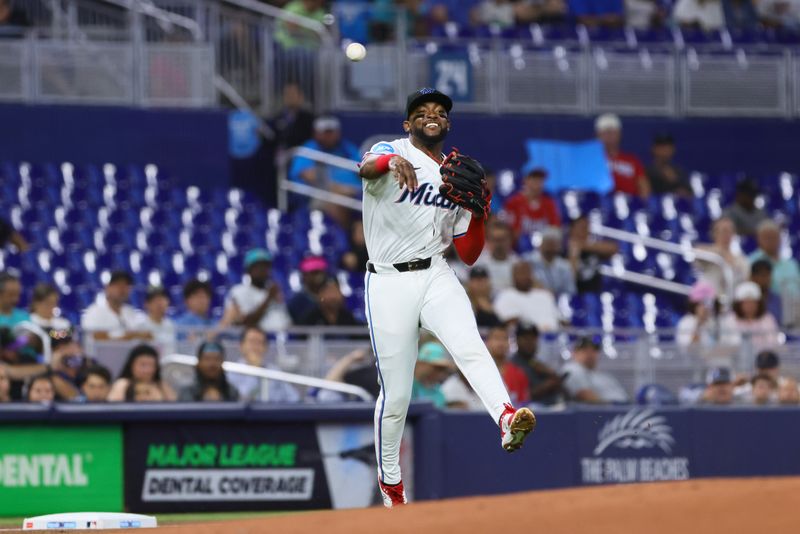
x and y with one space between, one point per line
707 14
459 395
498 257
706 329
258 300
155 320
44 302
253 345
583 382
110 316
527 303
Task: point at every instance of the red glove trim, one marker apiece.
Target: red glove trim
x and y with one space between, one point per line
382 163
469 245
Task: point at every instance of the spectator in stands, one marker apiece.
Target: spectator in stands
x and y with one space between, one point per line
141 366
719 389
290 35
197 301
254 346
293 124
110 316
143 392
10 292
459 395
740 14
593 13
703 15
585 254
765 390
514 377
12 19
767 363
754 322
706 326
68 363
789 392
22 353
627 169
40 389
44 302
9 235
355 259
644 14
531 209
433 367
313 271
544 384
479 291
526 302
743 212
331 309
583 382
96 385
156 322
259 301
356 368
780 13
5 383
210 382
785 271
509 13
328 139
550 269
761 275
665 176
498 256
722 232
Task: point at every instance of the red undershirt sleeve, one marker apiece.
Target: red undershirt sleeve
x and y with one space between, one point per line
469 245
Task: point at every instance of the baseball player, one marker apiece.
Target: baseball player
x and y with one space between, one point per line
417 201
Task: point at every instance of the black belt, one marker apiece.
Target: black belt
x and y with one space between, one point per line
413 265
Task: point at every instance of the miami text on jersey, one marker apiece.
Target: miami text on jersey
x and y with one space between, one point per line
424 195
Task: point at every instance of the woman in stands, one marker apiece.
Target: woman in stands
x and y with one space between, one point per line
141 367
723 233
43 305
210 382
705 327
752 318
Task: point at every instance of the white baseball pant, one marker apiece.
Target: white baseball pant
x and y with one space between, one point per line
397 305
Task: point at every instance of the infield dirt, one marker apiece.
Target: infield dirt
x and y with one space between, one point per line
726 506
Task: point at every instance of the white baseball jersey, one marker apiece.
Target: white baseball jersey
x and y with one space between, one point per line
401 226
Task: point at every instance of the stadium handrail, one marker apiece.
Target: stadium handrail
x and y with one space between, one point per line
285 185
645 280
274 374
667 246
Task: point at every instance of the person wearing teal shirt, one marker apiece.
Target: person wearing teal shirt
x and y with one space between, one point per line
10 291
433 367
785 272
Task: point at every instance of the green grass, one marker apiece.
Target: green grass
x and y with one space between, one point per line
166 519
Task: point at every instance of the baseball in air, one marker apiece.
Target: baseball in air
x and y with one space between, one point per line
355 51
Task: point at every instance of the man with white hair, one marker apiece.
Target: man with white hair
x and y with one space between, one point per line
785 271
549 267
627 169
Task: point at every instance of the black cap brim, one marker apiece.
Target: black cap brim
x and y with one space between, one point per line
417 99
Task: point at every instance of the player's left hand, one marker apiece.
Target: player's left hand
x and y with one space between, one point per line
404 173
464 184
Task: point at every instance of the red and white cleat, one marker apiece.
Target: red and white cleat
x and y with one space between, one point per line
515 425
394 495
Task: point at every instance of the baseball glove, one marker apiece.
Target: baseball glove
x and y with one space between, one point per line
464 183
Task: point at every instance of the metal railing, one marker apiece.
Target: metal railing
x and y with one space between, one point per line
265 375
687 252
286 186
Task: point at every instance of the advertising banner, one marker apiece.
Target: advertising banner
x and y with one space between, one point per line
53 469
246 466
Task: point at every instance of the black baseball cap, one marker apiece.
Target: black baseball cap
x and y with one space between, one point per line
478 272
747 185
719 375
524 328
586 342
427 94
663 138
767 359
